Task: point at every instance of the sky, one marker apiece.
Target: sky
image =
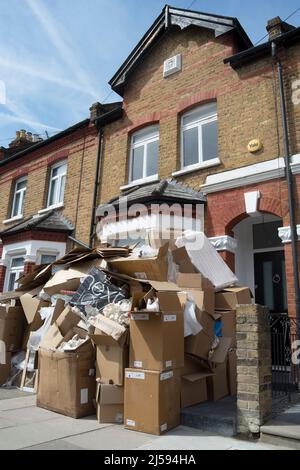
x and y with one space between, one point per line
57 56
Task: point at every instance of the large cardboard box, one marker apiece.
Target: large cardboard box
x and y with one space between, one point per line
232 372
229 325
217 383
155 268
112 357
67 382
31 305
229 298
110 403
194 388
199 345
152 401
12 325
5 367
157 338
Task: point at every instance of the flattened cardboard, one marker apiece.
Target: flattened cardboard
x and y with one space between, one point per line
191 366
194 388
152 401
52 339
229 298
182 259
66 382
12 325
229 326
5 369
110 404
157 340
155 268
67 320
31 305
193 281
220 354
218 384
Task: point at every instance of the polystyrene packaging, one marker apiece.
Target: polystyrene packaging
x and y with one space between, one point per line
207 260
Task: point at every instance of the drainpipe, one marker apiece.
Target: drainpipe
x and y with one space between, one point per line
96 185
289 179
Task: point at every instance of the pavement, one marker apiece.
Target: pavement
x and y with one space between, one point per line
25 426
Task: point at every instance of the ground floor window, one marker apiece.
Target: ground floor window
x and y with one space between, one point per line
15 271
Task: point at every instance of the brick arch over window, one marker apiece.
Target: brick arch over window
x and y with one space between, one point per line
196 100
145 121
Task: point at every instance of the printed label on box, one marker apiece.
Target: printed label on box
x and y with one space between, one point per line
130 422
84 396
138 364
135 375
140 316
163 427
170 318
166 376
169 363
141 276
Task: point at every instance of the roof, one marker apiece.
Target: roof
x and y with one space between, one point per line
181 18
242 58
52 221
108 111
163 191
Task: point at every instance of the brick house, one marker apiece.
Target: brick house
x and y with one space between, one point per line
201 107
47 194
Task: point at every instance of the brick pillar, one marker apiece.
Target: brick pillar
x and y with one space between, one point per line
2 276
254 368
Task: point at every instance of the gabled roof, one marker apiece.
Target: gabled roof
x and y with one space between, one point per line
52 221
183 18
163 191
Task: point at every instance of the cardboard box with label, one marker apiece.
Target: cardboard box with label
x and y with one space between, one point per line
229 298
111 357
66 383
152 401
194 388
155 268
110 403
5 367
157 338
12 326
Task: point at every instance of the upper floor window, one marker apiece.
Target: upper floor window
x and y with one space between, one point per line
19 197
57 184
200 136
144 154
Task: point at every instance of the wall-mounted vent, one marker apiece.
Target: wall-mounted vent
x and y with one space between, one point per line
172 65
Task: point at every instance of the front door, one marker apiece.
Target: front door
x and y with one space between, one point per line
270 281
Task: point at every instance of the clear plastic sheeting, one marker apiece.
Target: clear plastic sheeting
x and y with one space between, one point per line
36 337
71 345
191 324
207 260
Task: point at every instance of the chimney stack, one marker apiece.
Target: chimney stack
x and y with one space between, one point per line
276 27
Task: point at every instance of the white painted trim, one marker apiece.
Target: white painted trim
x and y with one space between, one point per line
268 250
51 208
13 219
285 234
199 166
251 203
248 175
32 247
30 259
4 262
149 179
224 243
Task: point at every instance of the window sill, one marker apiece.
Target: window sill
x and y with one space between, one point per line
151 179
50 208
201 166
13 219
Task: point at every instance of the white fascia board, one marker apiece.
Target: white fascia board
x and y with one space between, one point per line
30 248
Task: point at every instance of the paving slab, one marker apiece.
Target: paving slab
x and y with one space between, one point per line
112 438
60 444
26 435
16 403
10 393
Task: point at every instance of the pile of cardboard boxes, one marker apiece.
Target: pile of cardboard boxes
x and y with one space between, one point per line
132 337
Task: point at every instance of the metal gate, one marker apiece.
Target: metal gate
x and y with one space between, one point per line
285 371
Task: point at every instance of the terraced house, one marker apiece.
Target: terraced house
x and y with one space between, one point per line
202 124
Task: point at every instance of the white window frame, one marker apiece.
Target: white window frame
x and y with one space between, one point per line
18 270
22 193
143 142
40 253
52 178
198 122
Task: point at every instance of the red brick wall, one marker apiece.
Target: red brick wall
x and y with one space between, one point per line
2 277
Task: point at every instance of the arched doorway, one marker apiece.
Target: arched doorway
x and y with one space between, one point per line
260 260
